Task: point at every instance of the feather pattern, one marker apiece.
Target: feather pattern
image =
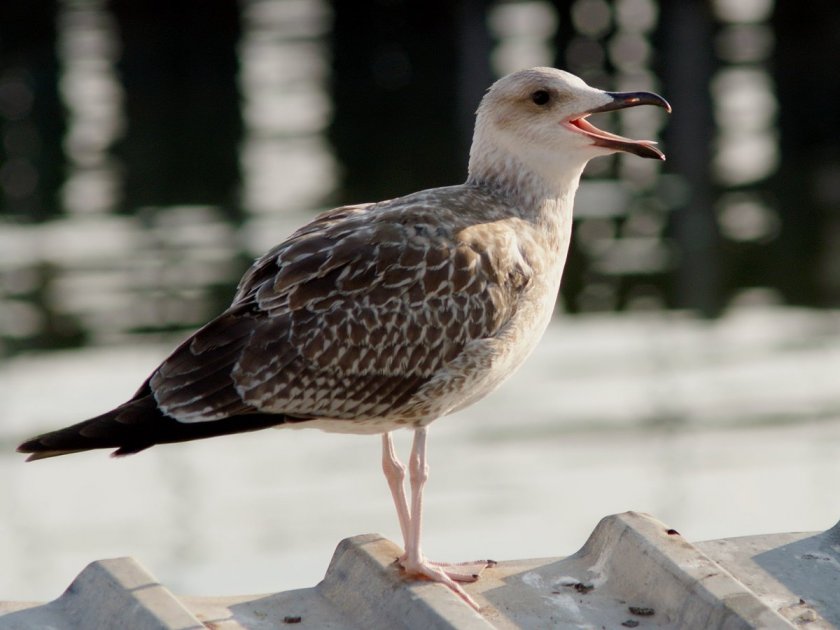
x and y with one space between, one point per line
355 313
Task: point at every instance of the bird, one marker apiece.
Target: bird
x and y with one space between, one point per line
384 316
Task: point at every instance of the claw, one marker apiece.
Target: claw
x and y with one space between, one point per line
436 573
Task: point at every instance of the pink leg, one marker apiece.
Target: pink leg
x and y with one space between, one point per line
413 561
395 475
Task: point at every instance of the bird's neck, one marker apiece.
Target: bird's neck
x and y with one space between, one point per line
544 195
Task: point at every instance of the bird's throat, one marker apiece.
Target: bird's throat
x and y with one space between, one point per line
547 188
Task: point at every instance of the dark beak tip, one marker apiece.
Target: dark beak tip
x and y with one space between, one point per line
650 152
649 98
623 100
658 156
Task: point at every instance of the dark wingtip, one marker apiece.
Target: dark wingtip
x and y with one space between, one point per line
41 447
30 447
35 455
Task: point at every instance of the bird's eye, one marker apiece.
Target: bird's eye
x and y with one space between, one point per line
541 97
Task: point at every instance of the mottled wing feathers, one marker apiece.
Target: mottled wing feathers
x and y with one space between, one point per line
346 319
306 237
195 382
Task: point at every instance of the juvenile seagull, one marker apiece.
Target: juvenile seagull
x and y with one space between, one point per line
390 315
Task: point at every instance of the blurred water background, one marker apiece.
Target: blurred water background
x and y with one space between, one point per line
150 149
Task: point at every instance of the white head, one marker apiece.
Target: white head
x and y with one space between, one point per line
536 120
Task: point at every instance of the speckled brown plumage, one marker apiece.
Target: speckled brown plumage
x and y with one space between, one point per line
352 315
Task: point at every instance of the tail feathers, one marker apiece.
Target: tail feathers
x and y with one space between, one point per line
135 426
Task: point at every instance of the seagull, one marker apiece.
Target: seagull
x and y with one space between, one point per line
389 315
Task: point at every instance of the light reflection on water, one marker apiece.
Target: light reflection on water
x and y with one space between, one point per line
94 276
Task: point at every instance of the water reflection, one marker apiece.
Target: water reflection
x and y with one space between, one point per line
148 138
88 47
128 132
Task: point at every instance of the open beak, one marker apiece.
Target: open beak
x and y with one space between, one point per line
621 100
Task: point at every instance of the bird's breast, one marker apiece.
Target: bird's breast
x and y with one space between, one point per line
529 270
